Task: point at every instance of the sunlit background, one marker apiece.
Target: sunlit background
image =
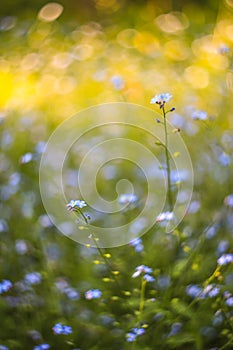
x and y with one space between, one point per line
57 58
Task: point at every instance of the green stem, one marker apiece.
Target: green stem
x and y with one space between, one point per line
102 254
142 300
170 199
225 346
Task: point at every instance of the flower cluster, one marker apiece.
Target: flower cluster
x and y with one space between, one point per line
58 328
146 271
5 285
76 204
195 291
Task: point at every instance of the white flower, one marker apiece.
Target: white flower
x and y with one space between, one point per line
160 99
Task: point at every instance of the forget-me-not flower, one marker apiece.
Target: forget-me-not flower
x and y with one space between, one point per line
5 285
73 204
58 328
161 99
93 294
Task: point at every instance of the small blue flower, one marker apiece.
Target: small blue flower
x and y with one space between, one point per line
93 294
76 204
224 159
32 278
71 293
58 328
211 291
148 278
199 115
193 291
3 347
117 82
229 301
228 201
134 333
161 99
175 329
141 269
5 285
67 330
41 347
131 337
137 244
225 259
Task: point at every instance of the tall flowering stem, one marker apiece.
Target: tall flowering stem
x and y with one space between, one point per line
170 199
161 100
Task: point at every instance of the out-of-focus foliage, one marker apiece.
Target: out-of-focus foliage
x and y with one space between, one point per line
58 60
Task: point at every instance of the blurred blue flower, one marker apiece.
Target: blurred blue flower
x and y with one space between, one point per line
134 333
229 302
175 329
71 293
228 201
223 246
193 291
165 216
148 278
26 158
32 278
160 99
137 244
218 319
199 115
117 82
141 269
131 337
93 294
127 198
163 282
76 204
210 291
225 259
3 347
58 328
41 347
5 285
224 159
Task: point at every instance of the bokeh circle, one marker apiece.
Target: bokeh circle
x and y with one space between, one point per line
112 157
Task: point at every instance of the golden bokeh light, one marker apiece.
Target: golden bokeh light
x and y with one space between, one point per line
197 77
173 22
50 12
